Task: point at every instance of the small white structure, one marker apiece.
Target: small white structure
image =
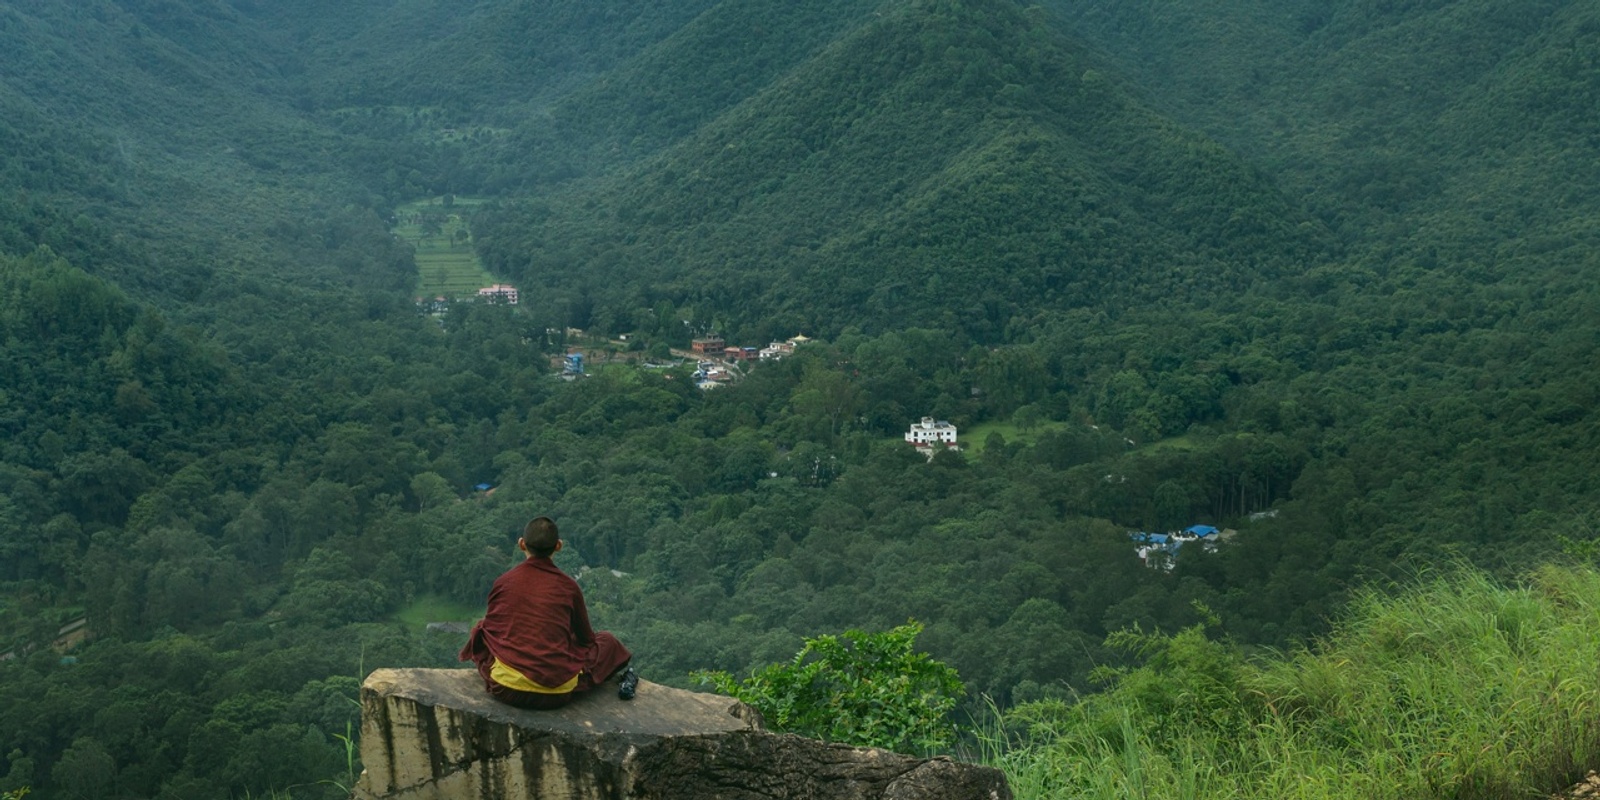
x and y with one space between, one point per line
777 350
499 293
929 432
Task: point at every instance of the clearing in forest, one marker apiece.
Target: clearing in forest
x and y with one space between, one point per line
434 608
437 231
974 439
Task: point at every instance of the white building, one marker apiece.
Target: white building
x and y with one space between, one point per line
777 350
499 293
929 432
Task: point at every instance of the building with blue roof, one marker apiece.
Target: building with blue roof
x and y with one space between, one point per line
1161 549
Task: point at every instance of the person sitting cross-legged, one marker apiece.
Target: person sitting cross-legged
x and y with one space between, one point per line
534 646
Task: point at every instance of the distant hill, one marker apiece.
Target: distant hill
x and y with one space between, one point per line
1427 127
947 164
494 60
161 148
669 90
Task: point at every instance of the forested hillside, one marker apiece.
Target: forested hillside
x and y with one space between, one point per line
947 165
1318 273
1420 125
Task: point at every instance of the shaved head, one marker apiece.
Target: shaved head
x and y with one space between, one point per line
541 537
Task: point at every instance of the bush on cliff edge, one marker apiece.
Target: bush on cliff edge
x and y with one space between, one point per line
869 689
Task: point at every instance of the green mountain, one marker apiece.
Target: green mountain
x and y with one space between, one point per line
947 164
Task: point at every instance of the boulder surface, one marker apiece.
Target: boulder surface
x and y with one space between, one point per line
430 734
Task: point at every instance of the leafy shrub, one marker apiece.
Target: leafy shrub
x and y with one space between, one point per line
859 688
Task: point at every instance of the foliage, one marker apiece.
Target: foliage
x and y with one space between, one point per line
1459 687
859 688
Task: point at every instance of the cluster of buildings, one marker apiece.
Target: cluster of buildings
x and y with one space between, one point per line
716 362
710 375
1160 550
715 356
715 347
498 293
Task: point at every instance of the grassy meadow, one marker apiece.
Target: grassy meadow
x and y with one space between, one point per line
1459 688
447 264
972 439
434 608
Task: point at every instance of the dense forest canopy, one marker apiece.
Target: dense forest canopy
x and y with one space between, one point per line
1318 273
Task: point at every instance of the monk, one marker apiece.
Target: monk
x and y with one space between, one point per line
534 647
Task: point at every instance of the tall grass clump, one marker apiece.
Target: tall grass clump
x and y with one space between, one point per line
1459 688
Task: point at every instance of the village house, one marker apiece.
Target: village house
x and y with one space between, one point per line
708 375
1157 546
710 346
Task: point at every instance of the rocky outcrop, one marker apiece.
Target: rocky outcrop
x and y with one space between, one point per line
435 734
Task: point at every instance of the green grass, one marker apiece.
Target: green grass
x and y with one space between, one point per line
973 441
1185 443
1461 688
447 264
433 608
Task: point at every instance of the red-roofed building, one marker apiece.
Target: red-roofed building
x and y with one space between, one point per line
711 345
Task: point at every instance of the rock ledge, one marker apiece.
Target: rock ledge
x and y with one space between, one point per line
434 734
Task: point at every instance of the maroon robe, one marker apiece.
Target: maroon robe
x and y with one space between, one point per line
538 625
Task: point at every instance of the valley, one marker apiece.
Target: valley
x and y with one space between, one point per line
1321 274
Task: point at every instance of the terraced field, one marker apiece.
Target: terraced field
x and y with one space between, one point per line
446 262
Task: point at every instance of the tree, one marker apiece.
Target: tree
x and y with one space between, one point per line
85 770
18 776
860 688
1027 417
826 399
431 490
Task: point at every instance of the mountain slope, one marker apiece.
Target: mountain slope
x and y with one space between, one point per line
1370 111
723 56
948 164
489 58
161 150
